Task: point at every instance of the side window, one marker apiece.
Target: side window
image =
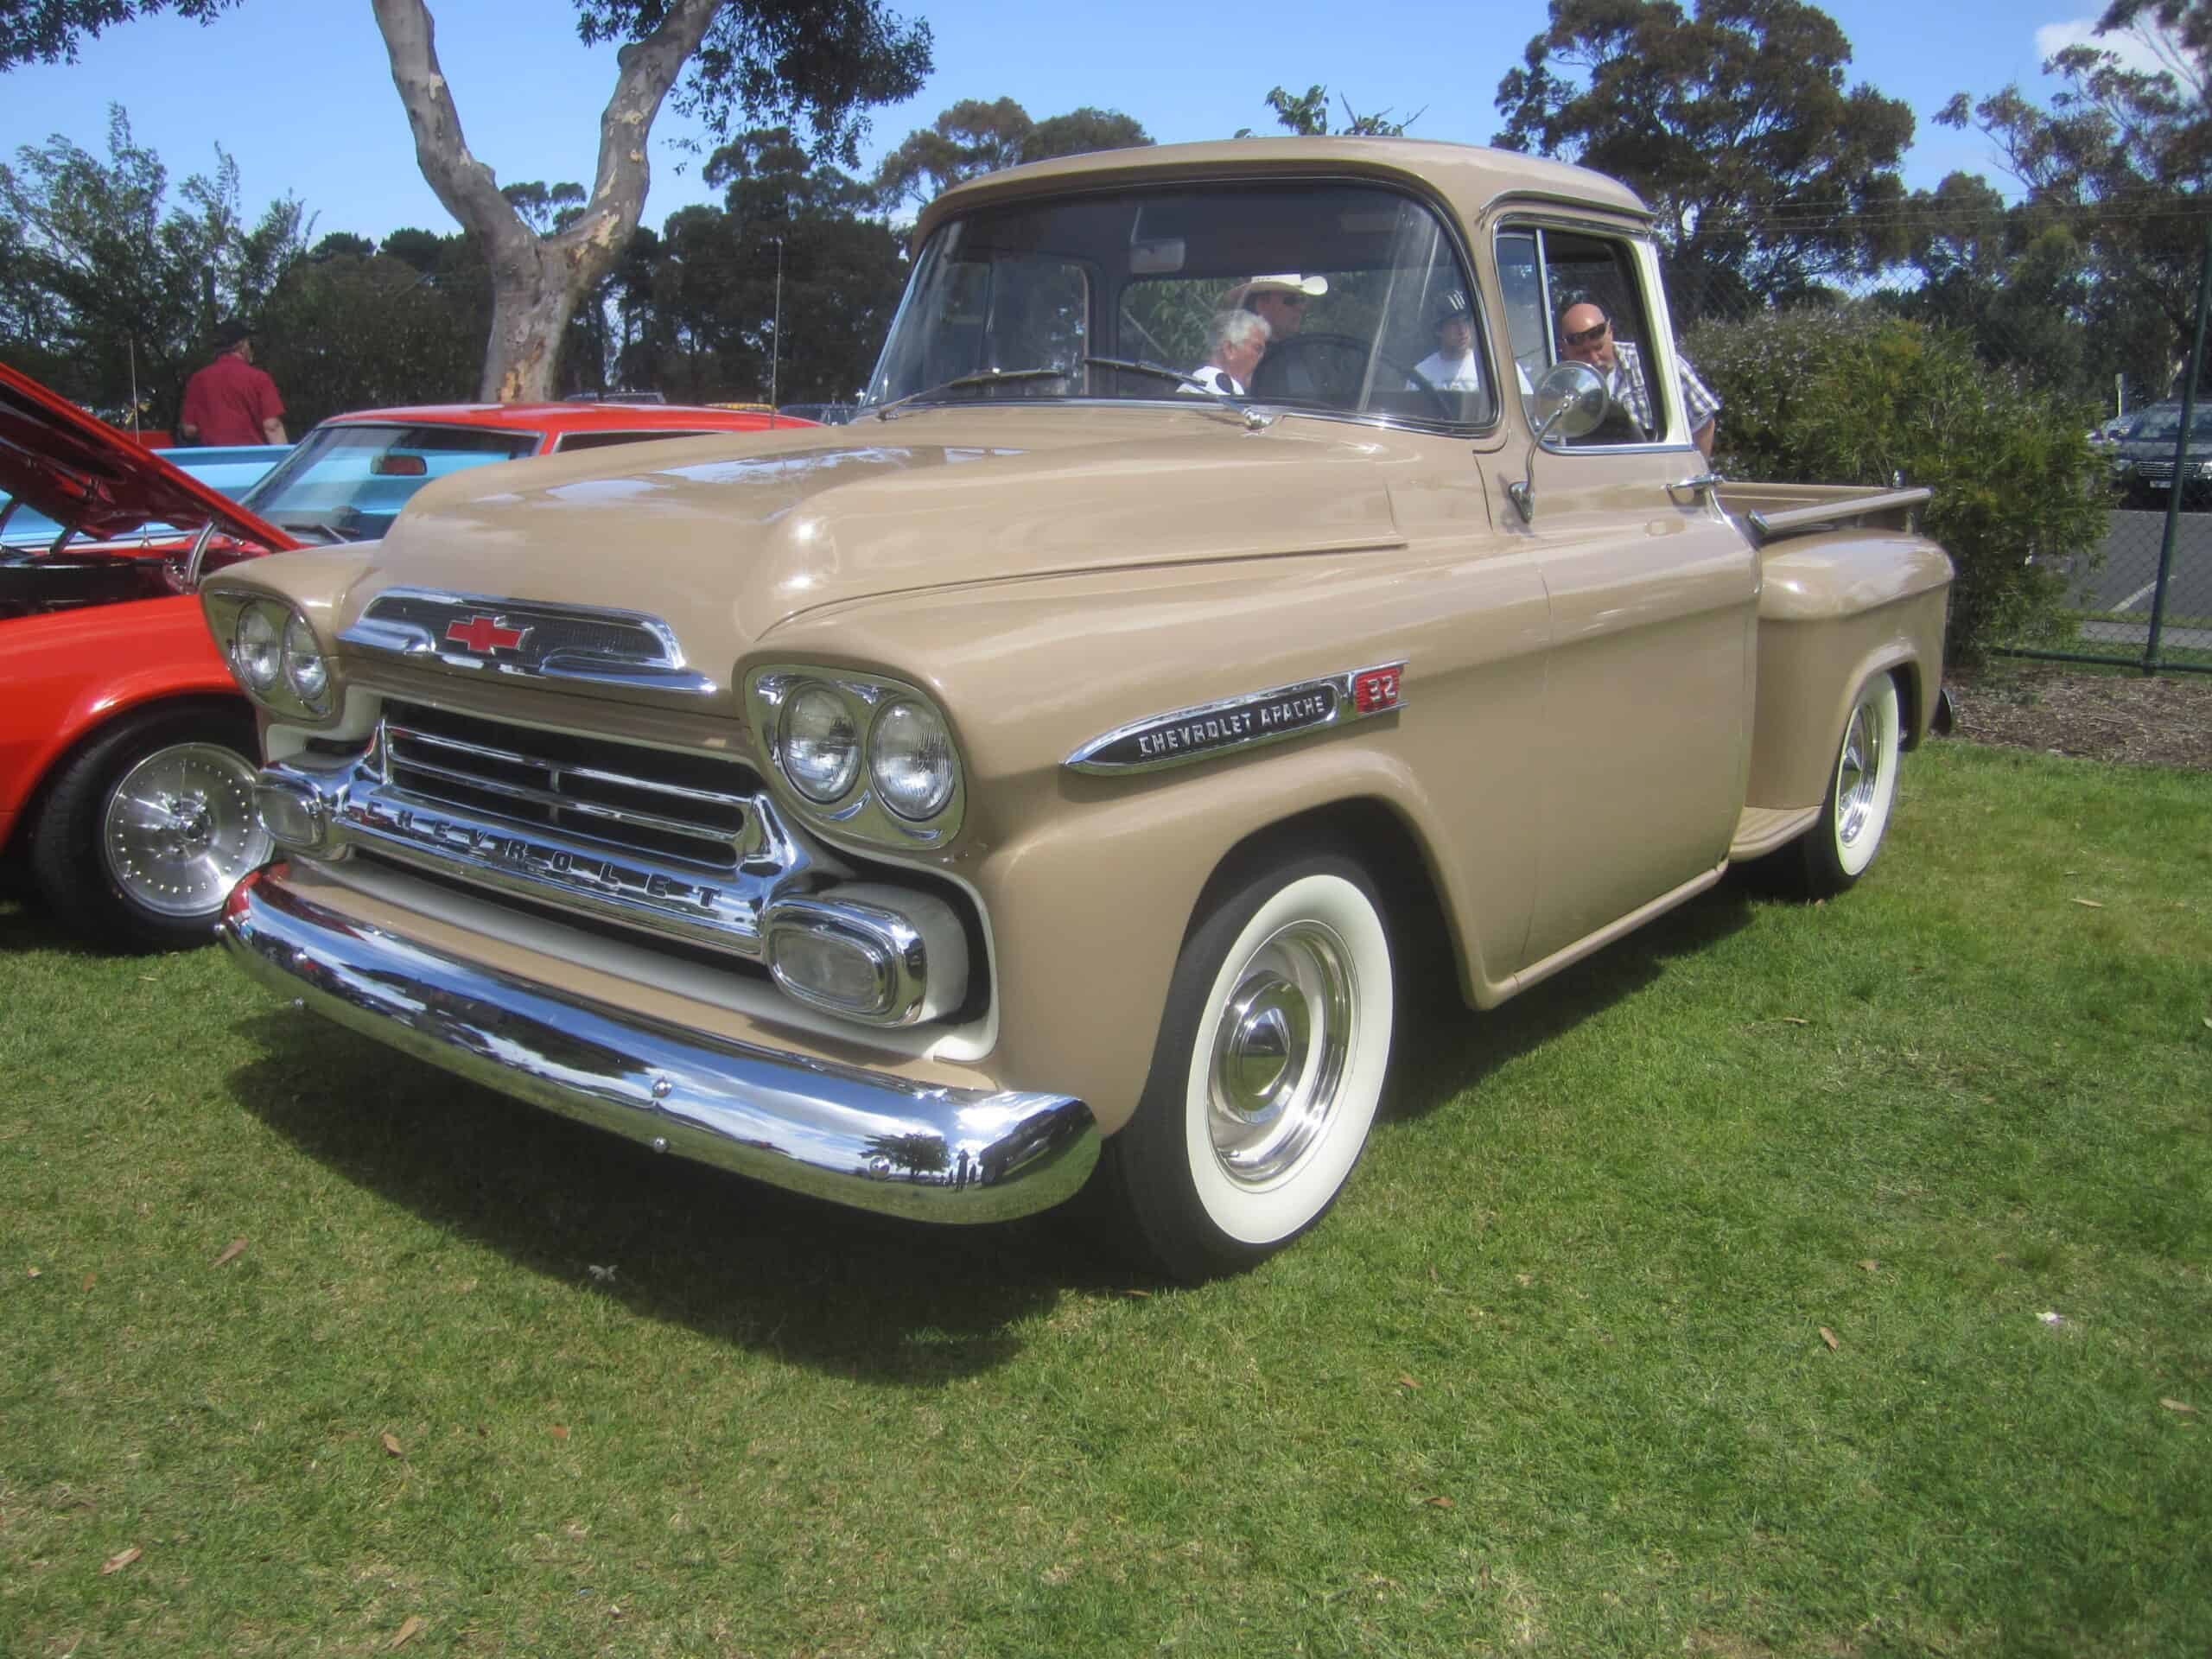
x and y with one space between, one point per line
574 441
1572 295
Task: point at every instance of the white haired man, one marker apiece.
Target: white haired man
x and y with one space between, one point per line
1236 341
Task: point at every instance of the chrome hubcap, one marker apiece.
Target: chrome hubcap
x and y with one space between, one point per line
1859 773
178 830
1279 1048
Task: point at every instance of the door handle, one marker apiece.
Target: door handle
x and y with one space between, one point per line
1697 481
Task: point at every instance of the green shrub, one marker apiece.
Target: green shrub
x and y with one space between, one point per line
1850 397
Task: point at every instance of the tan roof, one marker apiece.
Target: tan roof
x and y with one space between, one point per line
1469 177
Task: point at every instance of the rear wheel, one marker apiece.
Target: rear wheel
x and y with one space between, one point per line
1862 788
1268 1070
144 834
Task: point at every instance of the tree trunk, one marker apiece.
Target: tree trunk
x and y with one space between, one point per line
536 280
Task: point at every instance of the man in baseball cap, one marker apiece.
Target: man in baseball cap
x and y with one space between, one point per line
1452 365
231 401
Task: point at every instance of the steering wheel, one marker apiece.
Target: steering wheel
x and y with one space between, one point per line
1331 369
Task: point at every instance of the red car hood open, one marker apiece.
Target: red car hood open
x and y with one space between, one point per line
82 473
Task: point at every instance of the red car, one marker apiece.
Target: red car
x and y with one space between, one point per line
126 754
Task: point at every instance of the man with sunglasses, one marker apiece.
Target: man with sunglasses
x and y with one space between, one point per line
1279 301
1585 335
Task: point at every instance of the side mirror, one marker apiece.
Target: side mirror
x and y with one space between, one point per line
1570 403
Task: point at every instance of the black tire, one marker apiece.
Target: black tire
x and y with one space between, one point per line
1230 1157
150 871
1828 858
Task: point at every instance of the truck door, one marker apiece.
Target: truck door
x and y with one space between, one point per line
1653 594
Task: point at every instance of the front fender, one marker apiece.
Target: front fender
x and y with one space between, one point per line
68 673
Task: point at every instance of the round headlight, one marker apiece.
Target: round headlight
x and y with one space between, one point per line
910 757
304 664
822 745
256 647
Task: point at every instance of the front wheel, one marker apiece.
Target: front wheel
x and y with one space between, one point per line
1266 1074
144 834
1862 788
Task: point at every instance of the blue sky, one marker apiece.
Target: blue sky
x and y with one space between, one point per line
300 92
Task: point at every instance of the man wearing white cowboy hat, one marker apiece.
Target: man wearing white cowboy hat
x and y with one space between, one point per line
1280 300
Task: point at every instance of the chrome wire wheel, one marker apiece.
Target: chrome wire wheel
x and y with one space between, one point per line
1281 1048
178 829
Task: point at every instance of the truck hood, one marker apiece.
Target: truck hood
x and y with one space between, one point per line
726 547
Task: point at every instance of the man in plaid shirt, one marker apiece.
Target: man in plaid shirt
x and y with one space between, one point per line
1586 334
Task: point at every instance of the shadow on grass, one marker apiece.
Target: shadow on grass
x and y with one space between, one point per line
733 1258
747 1264
1447 1048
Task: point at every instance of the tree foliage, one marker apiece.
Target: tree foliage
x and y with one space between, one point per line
109 291
815 64
2117 166
1852 395
49 31
974 138
1306 114
1768 176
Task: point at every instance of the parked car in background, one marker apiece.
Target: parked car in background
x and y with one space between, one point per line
347 479
125 747
2109 432
230 470
2143 458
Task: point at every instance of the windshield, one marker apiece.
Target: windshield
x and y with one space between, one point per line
347 483
1136 293
2166 423
230 470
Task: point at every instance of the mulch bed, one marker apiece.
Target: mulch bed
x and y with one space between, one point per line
2161 722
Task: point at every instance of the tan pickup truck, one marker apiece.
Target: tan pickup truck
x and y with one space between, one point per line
1060 766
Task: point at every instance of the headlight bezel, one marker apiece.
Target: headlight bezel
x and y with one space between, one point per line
290 637
860 810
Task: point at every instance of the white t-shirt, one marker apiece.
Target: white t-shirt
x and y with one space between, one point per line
1448 374
1215 379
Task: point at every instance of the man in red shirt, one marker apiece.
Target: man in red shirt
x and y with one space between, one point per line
230 401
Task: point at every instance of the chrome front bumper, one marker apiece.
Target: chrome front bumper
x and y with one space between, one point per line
876 1142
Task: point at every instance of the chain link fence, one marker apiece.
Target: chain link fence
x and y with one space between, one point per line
2137 592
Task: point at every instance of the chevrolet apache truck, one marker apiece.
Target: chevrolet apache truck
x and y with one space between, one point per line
1061 772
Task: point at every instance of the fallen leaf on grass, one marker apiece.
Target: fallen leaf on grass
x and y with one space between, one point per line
90 1281
407 1632
2088 904
2052 1319
1133 1291
34 1273
1829 1337
2178 1405
1440 1501
1407 1382
122 1558
1869 1265
560 1431
391 1445
231 1253
1791 1020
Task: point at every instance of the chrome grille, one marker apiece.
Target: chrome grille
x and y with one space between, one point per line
692 808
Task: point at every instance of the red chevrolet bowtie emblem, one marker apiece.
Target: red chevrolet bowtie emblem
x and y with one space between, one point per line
484 633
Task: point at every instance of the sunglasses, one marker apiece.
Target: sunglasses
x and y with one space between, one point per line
1589 336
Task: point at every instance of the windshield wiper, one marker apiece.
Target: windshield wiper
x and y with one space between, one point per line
1161 369
981 378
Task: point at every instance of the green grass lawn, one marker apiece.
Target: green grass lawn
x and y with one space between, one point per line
1826 1280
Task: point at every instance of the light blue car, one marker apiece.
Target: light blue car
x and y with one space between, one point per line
233 469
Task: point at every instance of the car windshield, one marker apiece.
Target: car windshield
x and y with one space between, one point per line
1125 295
2165 424
229 470
347 482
